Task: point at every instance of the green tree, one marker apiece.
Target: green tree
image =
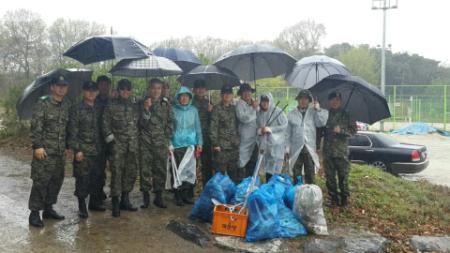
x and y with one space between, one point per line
361 62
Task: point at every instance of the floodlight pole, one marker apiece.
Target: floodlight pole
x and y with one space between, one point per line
383 5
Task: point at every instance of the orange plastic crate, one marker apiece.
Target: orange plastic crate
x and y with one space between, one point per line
226 222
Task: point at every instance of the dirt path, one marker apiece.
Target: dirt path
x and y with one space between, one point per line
142 231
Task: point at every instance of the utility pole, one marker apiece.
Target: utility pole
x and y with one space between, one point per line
383 5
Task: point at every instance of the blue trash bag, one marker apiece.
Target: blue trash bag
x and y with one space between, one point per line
241 190
290 194
219 187
263 220
268 216
281 184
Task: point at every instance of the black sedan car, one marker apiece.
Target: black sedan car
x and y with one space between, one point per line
384 152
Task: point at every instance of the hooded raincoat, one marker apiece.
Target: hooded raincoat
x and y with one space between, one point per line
301 132
246 115
187 134
274 144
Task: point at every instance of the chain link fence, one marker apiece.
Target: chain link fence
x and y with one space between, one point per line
407 103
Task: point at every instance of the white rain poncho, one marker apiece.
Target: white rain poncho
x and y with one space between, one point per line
246 115
184 172
302 132
274 144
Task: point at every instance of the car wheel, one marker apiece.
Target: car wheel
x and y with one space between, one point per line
380 165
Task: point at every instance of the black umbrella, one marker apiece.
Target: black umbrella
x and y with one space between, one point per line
363 101
186 59
101 48
214 76
151 66
256 61
310 70
41 87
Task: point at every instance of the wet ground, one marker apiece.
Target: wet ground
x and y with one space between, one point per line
142 231
438 148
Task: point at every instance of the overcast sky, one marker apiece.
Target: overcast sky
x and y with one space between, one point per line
417 26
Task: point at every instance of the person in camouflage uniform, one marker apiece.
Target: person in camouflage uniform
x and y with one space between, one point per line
224 134
338 129
155 131
102 101
85 141
120 129
48 137
204 108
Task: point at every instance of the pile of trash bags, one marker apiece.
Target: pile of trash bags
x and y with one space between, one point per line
276 209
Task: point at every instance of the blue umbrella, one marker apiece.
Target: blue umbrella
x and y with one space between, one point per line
102 48
41 87
184 58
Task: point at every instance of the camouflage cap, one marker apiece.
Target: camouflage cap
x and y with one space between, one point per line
124 84
59 80
199 83
334 94
90 86
305 94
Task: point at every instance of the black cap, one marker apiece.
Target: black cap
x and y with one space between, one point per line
334 94
226 89
124 84
245 87
89 85
59 80
304 94
103 78
199 83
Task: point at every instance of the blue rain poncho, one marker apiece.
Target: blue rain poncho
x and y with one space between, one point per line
187 128
274 144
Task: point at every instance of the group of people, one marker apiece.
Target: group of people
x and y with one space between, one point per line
145 136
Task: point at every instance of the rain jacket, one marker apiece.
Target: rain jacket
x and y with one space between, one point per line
274 144
187 129
246 115
302 132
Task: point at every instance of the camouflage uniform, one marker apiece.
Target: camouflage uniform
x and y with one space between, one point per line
155 131
48 131
101 103
84 136
202 105
335 150
120 130
224 133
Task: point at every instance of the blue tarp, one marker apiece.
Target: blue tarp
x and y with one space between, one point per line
416 128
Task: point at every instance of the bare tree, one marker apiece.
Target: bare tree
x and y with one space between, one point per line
24 35
63 33
301 39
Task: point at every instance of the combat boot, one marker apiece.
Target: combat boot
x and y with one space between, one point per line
82 211
158 201
96 205
178 198
50 213
344 202
185 196
125 203
115 207
35 219
146 199
333 202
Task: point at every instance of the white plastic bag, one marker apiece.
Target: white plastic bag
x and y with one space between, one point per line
308 208
185 172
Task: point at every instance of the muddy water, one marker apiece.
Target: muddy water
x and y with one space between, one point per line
142 231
